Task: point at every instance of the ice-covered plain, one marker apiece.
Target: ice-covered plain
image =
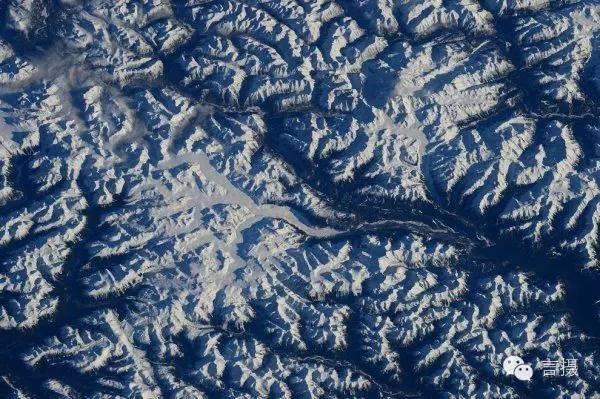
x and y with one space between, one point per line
298 198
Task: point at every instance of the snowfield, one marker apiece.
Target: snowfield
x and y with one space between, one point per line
298 198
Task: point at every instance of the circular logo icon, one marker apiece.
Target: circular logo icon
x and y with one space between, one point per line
524 372
511 363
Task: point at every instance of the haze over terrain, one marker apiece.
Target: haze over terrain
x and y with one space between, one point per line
298 198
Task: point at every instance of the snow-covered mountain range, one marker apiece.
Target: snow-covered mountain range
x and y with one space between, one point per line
298 198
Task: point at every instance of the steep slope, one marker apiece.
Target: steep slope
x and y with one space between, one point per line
297 199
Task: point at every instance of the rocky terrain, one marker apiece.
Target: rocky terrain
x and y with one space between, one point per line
298 198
